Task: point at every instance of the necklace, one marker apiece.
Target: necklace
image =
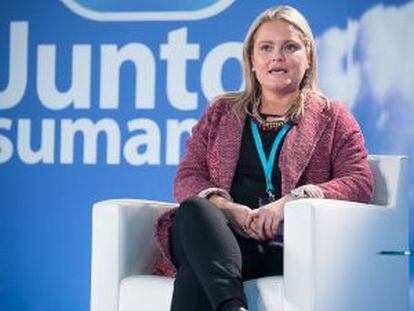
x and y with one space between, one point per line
277 121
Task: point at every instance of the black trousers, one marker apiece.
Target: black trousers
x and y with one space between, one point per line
212 260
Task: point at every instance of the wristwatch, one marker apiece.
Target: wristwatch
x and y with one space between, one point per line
298 193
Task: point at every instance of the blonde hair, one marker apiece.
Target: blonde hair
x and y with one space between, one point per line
252 91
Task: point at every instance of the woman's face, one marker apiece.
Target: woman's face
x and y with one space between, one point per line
279 57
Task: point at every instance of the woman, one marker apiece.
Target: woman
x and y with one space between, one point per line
250 153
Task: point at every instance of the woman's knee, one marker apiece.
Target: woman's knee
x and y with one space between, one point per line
190 208
196 208
194 200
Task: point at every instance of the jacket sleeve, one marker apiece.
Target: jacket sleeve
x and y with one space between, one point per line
351 175
193 172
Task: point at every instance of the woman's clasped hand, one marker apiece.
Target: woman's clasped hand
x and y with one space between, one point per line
260 224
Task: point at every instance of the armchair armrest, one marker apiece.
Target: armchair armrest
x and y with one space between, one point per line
123 244
333 261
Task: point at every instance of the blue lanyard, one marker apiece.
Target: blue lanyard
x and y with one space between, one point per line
268 164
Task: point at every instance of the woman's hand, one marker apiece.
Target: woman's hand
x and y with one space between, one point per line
235 213
262 223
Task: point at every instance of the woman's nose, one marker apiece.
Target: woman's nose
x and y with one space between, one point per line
277 55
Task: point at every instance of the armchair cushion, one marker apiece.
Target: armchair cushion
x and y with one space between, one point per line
145 292
150 292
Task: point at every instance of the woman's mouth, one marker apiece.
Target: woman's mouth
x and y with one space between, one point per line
277 71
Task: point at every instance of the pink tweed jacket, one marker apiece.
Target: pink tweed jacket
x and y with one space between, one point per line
326 148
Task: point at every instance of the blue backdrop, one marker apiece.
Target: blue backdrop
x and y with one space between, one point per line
97 98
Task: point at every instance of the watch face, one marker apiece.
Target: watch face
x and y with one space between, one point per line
298 193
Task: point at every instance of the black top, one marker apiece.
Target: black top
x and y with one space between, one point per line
249 183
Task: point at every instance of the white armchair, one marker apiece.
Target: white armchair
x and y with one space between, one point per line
339 255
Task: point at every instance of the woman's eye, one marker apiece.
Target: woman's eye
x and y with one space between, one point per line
266 47
291 47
